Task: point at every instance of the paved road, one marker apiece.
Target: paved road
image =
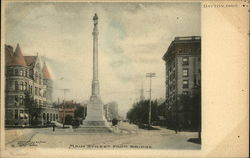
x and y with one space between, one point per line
123 137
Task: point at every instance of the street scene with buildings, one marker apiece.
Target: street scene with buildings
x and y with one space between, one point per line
103 80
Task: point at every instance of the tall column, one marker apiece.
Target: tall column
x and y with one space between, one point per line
95 82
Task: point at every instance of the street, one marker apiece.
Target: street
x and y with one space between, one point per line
124 136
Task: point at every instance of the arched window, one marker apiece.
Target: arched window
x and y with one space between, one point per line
16 72
21 72
50 117
16 85
44 116
47 117
54 117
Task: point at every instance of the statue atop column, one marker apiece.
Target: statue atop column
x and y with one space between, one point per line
95 117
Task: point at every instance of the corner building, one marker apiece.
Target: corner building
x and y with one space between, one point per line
25 74
183 75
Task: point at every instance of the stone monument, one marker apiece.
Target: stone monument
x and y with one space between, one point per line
95 118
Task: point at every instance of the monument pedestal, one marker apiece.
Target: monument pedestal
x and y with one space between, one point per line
95 121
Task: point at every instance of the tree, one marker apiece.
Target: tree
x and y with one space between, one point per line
68 120
79 112
139 112
34 111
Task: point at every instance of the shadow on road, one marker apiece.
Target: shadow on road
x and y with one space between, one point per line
195 140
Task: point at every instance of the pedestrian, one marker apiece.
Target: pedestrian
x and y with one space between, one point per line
53 127
175 128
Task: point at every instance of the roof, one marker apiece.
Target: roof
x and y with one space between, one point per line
14 58
8 54
30 60
46 73
180 42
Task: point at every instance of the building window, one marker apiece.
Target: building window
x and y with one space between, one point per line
21 114
31 91
25 86
47 117
180 50
44 116
185 72
185 84
21 72
9 72
36 91
16 100
21 99
185 61
54 117
9 114
16 85
16 114
50 117
16 72
21 86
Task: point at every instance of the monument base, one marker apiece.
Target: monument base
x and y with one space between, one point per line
95 121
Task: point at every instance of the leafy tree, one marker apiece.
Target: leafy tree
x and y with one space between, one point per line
34 111
68 120
79 112
139 112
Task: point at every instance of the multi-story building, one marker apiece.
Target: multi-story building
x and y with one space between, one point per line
111 111
183 75
24 74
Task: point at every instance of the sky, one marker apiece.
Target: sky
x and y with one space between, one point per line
133 37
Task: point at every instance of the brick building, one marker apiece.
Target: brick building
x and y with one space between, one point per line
25 74
183 76
67 110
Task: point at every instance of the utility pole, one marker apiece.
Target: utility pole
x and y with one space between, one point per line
64 94
150 75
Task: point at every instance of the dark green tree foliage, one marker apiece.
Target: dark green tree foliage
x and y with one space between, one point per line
79 112
140 111
33 109
196 102
68 120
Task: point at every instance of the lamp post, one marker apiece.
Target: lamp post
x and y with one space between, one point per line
150 75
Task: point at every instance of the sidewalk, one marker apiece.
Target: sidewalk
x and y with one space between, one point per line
15 134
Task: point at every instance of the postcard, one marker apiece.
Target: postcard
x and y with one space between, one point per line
122 79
